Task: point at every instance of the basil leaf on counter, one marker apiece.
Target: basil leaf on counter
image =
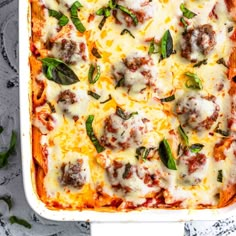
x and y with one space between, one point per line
166 45
195 148
7 199
96 53
200 63
126 31
74 16
183 135
5 154
90 133
16 220
57 71
128 12
94 95
186 12
194 82
122 114
166 155
168 99
93 79
1 129
220 176
62 19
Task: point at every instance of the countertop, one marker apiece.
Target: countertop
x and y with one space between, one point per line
11 175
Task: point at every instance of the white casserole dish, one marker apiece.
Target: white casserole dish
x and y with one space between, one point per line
158 215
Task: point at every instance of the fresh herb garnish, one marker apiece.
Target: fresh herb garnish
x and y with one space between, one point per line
166 155
96 53
186 12
57 71
184 22
195 148
1 129
107 100
74 16
183 135
168 99
142 153
220 176
94 78
127 171
62 19
120 83
126 31
200 63
222 61
90 133
128 12
16 220
94 95
5 154
122 114
166 45
194 82
152 48
7 199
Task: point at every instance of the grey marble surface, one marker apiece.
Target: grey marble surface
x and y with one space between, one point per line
11 175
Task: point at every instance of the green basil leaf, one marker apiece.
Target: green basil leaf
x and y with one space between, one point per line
94 95
127 171
186 12
195 148
183 135
7 199
120 83
220 176
74 17
222 62
128 12
168 99
16 220
122 114
112 4
185 24
57 71
166 155
126 31
100 12
96 53
142 153
1 129
5 154
63 20
166 45
93 79
152 48
107 100
107 12
200 63
90 133
194 82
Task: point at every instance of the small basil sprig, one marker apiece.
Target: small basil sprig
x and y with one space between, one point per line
7 199
166 45
94 78
195 148
186 12
152 48
90 133
57 71
142 153
62 19
220 176
16 220
5 154
166 155
168 99
122 114
183 135
128 12
194 82
126 31
74 16
185 24
94 95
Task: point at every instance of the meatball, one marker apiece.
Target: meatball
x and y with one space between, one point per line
138 72
197 111
142 9
198 40
73 174
122 133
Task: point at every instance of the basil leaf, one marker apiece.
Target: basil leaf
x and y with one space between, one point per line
166 45
100 12
120 83
121 113
183 135
220 176
4 155
200 63
128 12
94 95
90 133
152 49
222 61
185 24
126 31
195 148
74 16
168 99
63 20
166 155
107 100
57 71
8 200
112 4
1 129
127 171
193 82
142 153
93 79
186 12
96 53
16 220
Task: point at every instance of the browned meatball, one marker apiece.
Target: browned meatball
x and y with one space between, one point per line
197 111
72 174
200 39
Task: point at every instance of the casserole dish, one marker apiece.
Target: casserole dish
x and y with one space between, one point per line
30 185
